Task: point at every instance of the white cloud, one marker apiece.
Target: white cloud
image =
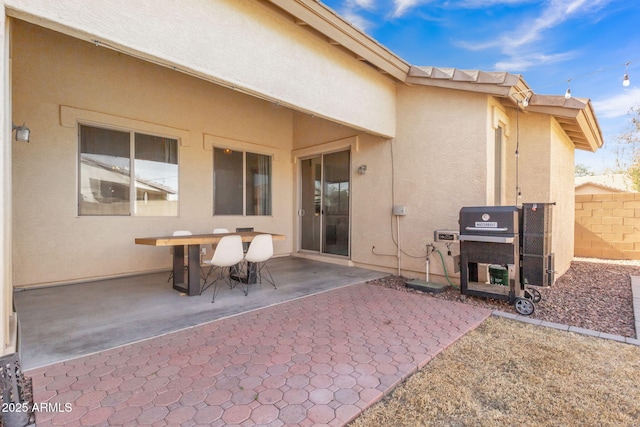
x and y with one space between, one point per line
618 105
356 20
520 45
351 9
481 4
557 12
526 61
402 6
365 4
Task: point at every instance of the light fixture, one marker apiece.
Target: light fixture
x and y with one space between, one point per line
362 169
625 79
567 94
22 132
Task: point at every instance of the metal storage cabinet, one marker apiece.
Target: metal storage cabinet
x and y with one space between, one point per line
537 258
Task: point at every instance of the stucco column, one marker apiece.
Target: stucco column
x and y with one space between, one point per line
5 186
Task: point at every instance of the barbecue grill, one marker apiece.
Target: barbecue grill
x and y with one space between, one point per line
490 235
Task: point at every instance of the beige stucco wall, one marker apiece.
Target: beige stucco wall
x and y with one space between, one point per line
442 154
436 165
371 196
243 44
533 163
441 142
57 77
562 193
545 174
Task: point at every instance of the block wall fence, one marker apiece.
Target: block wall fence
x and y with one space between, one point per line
607 226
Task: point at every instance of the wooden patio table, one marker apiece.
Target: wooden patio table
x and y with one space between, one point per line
193 243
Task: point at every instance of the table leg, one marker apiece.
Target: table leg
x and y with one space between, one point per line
194 270
252 273
178 269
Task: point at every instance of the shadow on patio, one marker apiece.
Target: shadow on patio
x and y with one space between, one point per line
62 322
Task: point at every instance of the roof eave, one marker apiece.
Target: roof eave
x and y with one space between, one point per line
493 83
340 32
576 116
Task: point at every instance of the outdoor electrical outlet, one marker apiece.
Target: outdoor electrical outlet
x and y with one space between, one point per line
203 251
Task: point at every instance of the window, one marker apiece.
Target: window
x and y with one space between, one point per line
241 183
106 186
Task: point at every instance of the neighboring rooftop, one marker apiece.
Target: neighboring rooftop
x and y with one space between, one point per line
608 183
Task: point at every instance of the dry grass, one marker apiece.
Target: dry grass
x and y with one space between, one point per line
507 373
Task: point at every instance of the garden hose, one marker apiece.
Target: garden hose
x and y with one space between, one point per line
454 286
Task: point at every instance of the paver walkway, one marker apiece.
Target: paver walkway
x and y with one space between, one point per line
321 359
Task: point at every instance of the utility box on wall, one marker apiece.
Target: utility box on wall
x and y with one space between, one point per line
399 210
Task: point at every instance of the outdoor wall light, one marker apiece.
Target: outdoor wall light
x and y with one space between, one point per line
362 169
22 133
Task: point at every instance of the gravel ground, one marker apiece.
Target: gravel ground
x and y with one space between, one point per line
593 294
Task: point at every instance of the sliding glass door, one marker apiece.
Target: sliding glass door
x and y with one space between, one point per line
325 206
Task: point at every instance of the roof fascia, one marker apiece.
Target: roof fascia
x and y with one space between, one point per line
339 32
465 86
500 84
578 110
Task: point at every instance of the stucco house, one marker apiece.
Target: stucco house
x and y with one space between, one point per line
150 117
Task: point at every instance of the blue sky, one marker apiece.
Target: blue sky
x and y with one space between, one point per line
554 44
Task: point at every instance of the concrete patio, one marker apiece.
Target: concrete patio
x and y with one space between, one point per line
316 358
62 322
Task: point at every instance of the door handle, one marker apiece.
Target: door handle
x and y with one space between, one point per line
301 212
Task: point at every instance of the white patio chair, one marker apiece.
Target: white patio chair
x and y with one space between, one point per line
260 251
186 255
227 254
217 231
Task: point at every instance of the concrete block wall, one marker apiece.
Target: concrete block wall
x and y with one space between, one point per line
607 226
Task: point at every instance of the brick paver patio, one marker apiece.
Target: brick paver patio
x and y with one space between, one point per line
321 359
